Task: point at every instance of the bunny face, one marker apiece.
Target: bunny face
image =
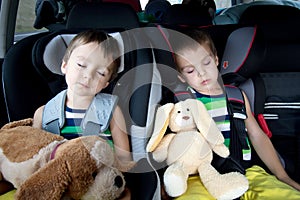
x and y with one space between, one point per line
182 118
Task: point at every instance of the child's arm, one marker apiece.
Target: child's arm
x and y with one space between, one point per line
119 135
37 117
265 149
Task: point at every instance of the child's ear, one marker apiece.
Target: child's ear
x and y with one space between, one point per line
217 60
107 83
63 67
181 78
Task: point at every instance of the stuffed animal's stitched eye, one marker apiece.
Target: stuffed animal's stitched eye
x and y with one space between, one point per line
178 111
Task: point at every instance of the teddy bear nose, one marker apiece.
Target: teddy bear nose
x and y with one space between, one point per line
185 117
119 182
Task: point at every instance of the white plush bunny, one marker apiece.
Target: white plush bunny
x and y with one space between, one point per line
189 150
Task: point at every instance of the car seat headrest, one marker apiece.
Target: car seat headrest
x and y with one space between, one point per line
48 53
118 16
240 55
252 50
56 48
183 14
135 4
262 14
157 9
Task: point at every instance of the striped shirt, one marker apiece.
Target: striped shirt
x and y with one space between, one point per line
72 129
216 106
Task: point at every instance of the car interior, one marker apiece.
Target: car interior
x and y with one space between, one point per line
258 46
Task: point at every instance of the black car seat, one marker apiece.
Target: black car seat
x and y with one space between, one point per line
135 4
186 15
133 85
233 14
265 66
23 88
104 16
262 14
156 9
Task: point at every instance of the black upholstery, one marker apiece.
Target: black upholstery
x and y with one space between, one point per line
181 14
135 4
24 90
102 16
262 14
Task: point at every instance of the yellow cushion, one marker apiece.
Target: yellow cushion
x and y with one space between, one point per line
261 186
195 190
265 186
8 195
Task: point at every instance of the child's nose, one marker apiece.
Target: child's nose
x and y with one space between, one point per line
200 71
88 74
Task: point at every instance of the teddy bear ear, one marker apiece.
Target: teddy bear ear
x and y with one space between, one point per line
22 122
102 153
204 122
162 118
45 182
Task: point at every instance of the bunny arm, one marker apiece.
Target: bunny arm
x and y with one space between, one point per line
161 152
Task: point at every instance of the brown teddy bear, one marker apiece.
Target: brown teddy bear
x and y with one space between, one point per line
189 150
42 165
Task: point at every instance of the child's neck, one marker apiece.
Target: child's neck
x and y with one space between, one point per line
213 91
78 102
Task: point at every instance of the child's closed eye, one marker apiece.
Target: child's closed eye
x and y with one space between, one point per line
101 73
207 60
188 70
81 65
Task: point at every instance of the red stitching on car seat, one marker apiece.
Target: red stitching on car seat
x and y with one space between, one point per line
248 51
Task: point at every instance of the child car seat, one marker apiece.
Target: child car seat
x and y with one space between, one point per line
265 66
133 85
23 88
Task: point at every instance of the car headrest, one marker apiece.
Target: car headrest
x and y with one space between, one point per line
261 14
157 9
102 16
182 14
135 4
240 55
251 50
48 53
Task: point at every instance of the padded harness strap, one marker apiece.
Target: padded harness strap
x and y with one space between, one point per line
239 145
95 121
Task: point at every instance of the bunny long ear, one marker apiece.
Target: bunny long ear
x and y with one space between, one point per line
162 118
204 122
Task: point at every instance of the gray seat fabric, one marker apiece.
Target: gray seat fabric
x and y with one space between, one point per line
232 15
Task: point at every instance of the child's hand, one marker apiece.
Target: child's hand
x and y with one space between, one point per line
290 182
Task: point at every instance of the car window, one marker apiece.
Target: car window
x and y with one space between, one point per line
220 4
25 17
25 20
